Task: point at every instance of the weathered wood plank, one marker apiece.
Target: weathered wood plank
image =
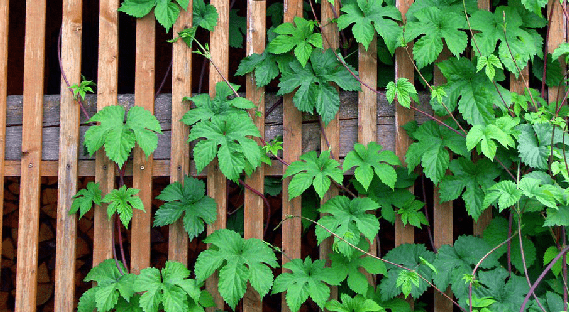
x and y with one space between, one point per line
216 181
142 165
106 96
28 225
403 69
180 149
66 230
254 205
4 12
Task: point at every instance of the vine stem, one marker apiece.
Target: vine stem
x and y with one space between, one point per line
372 255
429 232
541 276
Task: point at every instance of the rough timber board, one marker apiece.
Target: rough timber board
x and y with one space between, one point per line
310 129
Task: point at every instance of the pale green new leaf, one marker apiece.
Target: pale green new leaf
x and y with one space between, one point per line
84 200
300 37
123 201
490 63
505 192
403 90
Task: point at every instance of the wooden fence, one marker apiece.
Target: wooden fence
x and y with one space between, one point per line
373 123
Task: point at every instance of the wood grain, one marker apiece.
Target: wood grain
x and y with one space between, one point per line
4 12
30 183
66 230
254 205
216 181
142 165
180 149
106 96
557 35
403 69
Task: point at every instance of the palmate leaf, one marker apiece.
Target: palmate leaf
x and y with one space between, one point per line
352 268
509 294
357 304
370 15
313 170
471 180
119 137
486 136
534 143
204 15
169 288
84 200
403 90
505 193
188 199
239 261
312 83
348 219
436 24
300 37
123 201
307 279
264 65
111 285
371 159
165 11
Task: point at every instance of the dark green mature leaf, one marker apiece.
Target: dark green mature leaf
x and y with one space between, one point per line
170 288
472 178
534 143
123 201
188 199
237 29
84 200
369 160
356 304
119 137
352 268
412 214
111 285
264 65
129 306
312 83
204 15
432 149
453 262
307 279
508 295
436 24
166 13
367 15
300 37
313 170
239 261
348 219
409 256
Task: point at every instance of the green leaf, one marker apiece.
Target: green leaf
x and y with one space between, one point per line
239 261
356 304
534 144
436 25
123 201
352 268
204 15
561 50
412 214
472 178
370 159
486 135
166 13
313 170
307 279
505 192
264 65
144 125
137 8
237 29
300 37
508 295
111 285
409 256
489 62
84 200
188 199
312 83
549 255
403 90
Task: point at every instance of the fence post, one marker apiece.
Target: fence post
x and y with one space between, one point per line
142 165
29 210
4 8
180 149
66 230
253 206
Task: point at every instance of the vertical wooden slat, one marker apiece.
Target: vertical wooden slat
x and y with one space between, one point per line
216 181
486 216
403 69
28 225
330 40
142 165
442 212
4 8
180 154
66 231
292 148
557 35
253 207
106 96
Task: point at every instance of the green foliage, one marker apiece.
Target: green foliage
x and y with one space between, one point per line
123 201
239 261
403 90
486 136
84 200
313 170
188 199
369 160
356 304
264 65
166 11
204 15
300 37
119 137
79 91
312 83
237 29
308 279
